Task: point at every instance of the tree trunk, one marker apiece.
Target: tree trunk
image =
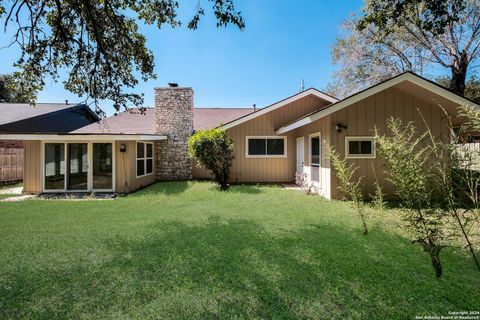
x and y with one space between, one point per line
459 74
437 265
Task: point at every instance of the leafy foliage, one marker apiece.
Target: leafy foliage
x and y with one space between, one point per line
363 61
456 166
429 15
214 150
378 197
407 158
304 183
394 36
12 90
98 42
348 185
472 86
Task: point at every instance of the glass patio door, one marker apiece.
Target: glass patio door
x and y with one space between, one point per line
102 175
77 164
54 168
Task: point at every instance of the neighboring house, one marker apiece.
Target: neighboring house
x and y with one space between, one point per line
133 149
40 118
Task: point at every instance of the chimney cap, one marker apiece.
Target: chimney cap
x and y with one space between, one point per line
173 85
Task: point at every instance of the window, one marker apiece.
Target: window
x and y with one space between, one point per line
266 147
360 147
144 159
315 148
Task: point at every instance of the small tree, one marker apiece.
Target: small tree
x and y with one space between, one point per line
378 197
408 162
455 165
348 185
213 149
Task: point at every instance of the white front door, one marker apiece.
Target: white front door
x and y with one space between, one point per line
300 154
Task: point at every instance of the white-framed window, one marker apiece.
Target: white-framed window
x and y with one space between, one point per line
144 161
315 149
266 147
360 147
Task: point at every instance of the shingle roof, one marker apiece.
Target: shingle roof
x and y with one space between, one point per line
44 117
136 122
204 118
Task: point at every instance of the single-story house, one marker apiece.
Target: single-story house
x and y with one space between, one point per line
125 152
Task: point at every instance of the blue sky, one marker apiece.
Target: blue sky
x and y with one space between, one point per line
284 42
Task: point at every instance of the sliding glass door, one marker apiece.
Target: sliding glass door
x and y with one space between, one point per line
77 157
54 168
102 176
76 166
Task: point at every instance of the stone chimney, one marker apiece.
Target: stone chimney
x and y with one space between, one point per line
174 119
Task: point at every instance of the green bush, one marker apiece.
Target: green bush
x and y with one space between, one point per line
213 149
409 165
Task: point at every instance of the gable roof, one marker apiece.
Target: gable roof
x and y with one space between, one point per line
136 122
44 117
406 76
311 91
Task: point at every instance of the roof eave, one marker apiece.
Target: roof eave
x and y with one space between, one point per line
81 137
279 104
407 76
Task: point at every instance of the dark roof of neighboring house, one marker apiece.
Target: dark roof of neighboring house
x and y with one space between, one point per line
136 122
44 117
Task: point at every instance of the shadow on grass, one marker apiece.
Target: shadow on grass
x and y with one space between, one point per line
235 268
240 188
165 188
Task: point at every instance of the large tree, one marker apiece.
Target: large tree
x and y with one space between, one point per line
98 43
421 36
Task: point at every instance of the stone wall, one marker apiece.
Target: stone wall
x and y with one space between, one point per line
174 118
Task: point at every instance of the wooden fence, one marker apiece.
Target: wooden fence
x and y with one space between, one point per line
11 164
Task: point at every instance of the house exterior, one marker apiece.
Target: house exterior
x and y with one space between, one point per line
43 117
271 145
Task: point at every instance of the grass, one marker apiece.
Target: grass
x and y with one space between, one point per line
9 186
186 250
5 196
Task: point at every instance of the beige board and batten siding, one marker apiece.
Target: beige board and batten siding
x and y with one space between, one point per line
374 111
269 169
32 171
126 169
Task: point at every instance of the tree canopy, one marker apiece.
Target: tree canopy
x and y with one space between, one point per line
392 36
12 91
98 43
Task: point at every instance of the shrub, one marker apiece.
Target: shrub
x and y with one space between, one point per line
213 149
410 170
304 183
378 198
348 185
456 172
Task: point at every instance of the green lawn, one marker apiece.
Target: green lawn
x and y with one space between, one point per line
186 250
